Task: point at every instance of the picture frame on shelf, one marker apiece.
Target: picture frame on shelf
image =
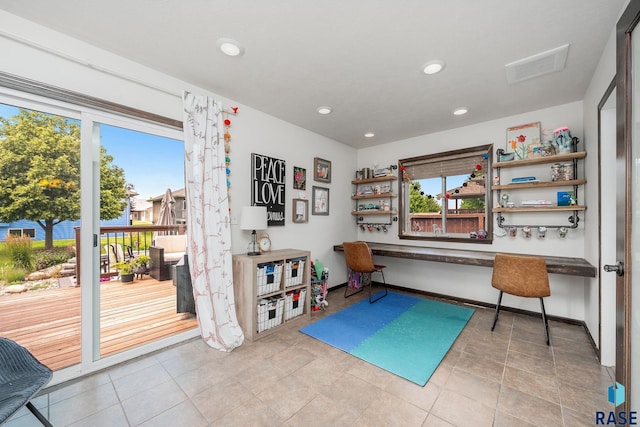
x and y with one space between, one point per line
300 211
520 137
320 201
299 178
321 170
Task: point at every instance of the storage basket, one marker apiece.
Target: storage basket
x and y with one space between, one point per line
268 277
294 270
294 303
270 313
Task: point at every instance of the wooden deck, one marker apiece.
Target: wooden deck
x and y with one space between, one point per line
47 322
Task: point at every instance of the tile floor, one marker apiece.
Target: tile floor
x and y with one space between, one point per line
506 378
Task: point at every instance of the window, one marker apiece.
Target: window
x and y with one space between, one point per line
446 196
22 232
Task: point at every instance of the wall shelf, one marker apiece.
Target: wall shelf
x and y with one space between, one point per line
570 158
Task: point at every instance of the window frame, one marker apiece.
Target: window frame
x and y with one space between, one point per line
11 231
403 195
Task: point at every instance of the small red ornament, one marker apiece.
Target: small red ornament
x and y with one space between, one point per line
478 167
447 196
227 122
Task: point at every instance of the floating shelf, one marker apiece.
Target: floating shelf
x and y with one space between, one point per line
541 209
558 158
374 212
378 179
520 185
372 196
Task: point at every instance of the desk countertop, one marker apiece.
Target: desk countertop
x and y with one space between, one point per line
558 265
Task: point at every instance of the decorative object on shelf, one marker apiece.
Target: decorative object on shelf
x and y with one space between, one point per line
299 178
253 218
499 232
268 186
513 231
320 201
321 170
504 156
300 211
526 232
520 137
264 242
482 234
562 140
504 200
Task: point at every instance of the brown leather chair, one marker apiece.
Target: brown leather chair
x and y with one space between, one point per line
523 276
359 259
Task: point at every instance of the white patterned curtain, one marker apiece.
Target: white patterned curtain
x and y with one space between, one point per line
208 224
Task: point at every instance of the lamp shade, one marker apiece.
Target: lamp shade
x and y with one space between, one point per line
253 218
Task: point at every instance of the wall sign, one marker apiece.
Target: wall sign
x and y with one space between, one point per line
268 185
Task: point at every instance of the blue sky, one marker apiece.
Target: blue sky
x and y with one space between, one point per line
151 163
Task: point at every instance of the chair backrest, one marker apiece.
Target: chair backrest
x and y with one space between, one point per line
114 250
358 257
521 275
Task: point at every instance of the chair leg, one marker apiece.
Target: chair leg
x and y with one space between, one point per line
346 289
38 415
371 283
495 318
544 321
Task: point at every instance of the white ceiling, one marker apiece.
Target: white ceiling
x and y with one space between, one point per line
361 57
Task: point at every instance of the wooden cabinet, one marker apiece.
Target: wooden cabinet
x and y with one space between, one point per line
569 160
374 196
271 290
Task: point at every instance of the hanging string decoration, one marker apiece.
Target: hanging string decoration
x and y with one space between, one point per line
478 171
227 147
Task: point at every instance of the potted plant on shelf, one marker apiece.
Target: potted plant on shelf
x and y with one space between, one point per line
125 268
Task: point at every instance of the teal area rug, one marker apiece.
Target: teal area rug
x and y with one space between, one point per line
405 335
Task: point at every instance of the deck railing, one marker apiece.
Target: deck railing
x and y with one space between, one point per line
133 240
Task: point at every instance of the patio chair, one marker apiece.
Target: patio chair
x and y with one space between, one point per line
21 378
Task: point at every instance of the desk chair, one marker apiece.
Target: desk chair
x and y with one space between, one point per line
523 276
21 378
359 259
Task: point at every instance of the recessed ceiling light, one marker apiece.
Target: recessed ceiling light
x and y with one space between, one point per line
460 111
369 135
230 47
325 110
433 67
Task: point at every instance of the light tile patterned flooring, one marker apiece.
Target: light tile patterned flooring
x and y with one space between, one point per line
506 378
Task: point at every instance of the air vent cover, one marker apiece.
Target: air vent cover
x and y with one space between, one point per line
537 65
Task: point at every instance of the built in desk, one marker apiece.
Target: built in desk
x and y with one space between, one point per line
558 265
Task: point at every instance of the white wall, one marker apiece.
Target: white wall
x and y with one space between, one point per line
567 293
39 54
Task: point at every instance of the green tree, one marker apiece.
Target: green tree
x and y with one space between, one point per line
421 203
475 203
40 176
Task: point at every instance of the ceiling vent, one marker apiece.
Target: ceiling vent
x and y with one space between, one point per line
537 65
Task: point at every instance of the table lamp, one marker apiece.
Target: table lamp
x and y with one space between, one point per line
253 218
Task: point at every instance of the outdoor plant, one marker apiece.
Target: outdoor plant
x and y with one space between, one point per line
124 267
49 258
141 261
20 251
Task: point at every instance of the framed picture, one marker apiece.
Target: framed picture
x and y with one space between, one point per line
299 178
321 170
320 201
300 211
519 138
